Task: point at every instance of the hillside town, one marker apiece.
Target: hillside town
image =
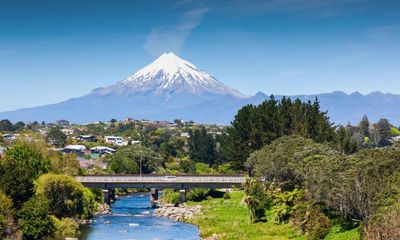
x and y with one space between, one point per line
91 143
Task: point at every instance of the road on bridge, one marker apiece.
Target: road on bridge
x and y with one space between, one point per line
161 181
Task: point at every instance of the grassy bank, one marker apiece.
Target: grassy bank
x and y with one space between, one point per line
229 220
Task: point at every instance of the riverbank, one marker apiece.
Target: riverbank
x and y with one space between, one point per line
181 213
227 219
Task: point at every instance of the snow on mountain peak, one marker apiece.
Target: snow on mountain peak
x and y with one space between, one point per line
170 72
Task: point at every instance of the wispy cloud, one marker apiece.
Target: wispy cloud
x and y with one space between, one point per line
172 37
384 31
320 8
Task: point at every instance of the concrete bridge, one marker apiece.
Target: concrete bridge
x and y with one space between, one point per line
154 182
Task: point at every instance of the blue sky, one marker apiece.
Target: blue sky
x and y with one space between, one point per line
54 50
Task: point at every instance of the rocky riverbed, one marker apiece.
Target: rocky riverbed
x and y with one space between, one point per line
178 213
182 213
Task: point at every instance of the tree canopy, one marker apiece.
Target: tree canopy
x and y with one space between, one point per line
66 196
127 160
22 164
255 126
202 146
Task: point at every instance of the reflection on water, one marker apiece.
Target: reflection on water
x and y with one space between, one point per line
131 219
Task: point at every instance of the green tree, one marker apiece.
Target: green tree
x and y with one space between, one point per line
63 122
127 160
65 164
6 126
66 196
202 146
383 127
6 216
255 126
22 164
344 142
257 199
34 219
364 126
19 125
187 166
56 137
66 228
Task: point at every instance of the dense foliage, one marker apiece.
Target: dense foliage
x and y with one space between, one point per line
34 219
129 160
356 188
66 196
202 146
22 164
56 137
32 200
6 216
255 126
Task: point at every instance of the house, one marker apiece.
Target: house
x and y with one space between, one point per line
185 134
77 149
119 141
10 136
67 131
102 150
396 139
86 138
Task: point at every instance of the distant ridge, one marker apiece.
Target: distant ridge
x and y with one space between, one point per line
171 88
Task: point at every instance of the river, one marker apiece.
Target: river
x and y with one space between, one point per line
132 219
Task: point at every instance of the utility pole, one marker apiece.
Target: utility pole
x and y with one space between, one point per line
141 156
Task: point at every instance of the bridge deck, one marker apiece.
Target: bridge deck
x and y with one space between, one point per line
156 181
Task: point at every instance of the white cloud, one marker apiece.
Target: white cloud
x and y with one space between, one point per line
170 38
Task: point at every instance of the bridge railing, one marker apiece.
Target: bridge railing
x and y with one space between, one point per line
161 179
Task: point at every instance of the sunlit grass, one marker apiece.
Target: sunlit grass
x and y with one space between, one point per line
337 233
229 219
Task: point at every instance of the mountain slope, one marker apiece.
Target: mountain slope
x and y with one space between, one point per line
170 74
171 88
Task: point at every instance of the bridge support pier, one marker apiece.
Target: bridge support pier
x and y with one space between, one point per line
107 196
182 195
153 197
112 195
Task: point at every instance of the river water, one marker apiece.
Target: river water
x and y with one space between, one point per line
131 219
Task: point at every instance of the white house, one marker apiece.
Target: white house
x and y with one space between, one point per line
185 134
10 136
397 138
102 150
119 141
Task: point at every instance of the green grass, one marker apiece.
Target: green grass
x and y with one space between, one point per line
337 233
229 220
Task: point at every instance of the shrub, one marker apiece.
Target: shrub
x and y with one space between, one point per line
286 203
6 215
66 196
22 164
384 225
34 220
257 199
66 227
171 196
227 196
197 194
318 225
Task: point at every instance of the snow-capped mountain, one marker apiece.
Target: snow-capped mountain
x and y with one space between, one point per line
171 88
170 73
